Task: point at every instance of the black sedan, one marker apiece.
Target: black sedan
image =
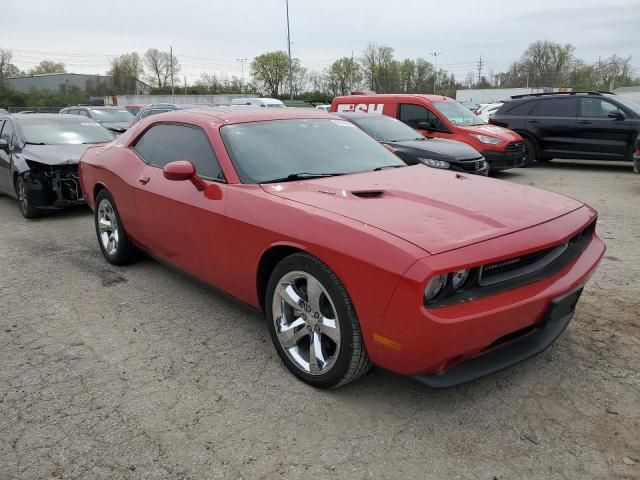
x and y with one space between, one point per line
39 156
413 148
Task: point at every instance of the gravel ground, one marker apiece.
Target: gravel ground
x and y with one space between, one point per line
138 372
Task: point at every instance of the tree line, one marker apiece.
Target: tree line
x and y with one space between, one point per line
542 64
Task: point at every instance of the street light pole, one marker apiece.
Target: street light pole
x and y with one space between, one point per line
289 48
435 68
241 60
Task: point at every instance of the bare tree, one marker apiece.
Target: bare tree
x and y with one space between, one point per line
161 67
549 63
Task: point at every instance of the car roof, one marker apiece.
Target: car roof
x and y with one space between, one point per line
230 115
428 97
51 116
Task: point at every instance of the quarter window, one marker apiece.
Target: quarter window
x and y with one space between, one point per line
412 115
558 107
166 143
522 108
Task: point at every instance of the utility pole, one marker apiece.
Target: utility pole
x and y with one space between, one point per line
435 68
289 48
171 59
185 84
480 69
241 60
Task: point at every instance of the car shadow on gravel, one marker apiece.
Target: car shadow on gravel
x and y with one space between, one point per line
585 165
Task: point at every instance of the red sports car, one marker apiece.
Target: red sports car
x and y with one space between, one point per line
355 258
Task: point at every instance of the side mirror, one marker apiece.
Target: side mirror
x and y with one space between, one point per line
182 170
4 145
616 115
425 126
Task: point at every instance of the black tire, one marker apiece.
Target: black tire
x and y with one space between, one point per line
352 359
26 209
531 151
122 251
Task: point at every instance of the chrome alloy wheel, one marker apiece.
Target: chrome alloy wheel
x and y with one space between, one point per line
22 197
108 227
306 322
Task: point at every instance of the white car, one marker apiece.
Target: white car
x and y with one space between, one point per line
486 109
258 102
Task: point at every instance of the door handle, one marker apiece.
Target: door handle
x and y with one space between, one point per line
584 122
144 180
533 121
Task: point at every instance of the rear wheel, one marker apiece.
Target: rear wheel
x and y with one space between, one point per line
28 211
313 323
531 152
112 238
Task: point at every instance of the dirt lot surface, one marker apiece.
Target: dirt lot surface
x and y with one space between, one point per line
138 372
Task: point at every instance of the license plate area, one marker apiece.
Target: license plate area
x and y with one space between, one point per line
561 306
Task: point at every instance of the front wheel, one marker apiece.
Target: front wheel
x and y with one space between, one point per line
112 238
28 211
313 323
531 152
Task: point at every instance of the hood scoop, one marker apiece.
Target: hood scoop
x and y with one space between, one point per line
369 193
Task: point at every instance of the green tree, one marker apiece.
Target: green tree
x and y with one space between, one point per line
345 75
380 69
270 71
125 72
48 66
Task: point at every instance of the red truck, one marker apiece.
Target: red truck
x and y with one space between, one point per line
442 117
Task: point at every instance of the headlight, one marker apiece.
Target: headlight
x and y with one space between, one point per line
487 139
458 278
434 287
430 162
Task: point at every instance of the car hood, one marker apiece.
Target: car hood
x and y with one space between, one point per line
493 131
54 154
438 149
116 126
436 210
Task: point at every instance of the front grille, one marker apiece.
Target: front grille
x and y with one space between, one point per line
470 166
518 266
515 148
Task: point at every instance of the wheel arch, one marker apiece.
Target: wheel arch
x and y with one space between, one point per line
269 258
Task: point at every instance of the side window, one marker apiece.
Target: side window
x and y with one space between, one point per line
166 143
8 132
597 107
156 111
83 112
412 115
558 107
524 108
145 114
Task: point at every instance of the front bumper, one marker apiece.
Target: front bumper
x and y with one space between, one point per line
509 351
476 166
56 189
413 340
514 155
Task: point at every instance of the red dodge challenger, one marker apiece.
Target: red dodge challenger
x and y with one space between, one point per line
355 257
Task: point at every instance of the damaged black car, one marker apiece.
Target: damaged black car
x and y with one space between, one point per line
39 156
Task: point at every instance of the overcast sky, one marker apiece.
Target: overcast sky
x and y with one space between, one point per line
211 35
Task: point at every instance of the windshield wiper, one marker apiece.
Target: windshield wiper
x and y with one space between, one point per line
35 143
301 176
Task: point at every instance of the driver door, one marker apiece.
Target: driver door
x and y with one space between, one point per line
413 114
178 223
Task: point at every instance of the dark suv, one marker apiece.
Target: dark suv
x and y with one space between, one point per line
585 125
636 156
